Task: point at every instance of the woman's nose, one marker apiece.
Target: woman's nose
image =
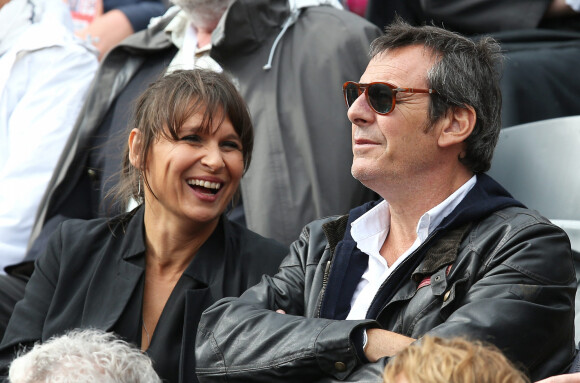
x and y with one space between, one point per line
213 159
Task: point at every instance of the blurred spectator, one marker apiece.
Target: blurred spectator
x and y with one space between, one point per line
540 40
454 360
83 356
44 75
477 16
357 6
105 23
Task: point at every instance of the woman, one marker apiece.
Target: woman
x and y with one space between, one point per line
148 274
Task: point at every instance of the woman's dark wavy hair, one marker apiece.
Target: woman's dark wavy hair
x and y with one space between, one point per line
466 72
166 105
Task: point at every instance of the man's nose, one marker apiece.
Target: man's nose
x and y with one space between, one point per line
360 112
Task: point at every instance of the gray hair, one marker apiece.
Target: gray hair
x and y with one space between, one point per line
83 356
466 73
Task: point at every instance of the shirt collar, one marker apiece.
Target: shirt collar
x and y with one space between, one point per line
370 230
184 37
176 29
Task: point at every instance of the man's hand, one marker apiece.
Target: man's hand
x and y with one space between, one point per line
383 343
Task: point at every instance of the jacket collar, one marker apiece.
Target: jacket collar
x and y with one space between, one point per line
443 252
128 230
130 225
203 267
206 268
485 198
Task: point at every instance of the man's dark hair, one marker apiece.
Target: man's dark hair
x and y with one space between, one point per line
466 73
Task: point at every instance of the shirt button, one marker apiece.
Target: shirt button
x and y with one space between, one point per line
340 367
446 296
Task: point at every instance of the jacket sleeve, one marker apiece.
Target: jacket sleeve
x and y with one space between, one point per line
244 339
27 321
522 297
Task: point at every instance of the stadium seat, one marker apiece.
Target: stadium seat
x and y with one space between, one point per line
538 163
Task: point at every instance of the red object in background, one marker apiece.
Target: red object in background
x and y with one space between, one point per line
357 6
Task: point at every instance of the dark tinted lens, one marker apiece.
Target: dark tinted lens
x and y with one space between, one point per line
381 97
351 93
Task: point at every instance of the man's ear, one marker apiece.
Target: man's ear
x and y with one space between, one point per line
459 124
135 148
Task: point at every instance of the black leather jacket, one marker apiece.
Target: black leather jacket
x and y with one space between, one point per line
493 270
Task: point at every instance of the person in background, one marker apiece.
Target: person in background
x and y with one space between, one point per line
45 73
148 274
472 17
446 251
453 360
105 23
83 356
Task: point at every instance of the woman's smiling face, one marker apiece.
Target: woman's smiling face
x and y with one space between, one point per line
196 176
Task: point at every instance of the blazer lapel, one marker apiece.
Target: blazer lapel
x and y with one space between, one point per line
115 278
100 310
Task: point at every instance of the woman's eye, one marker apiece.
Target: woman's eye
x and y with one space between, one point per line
232 145
191 138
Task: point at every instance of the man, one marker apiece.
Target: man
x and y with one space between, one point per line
446 252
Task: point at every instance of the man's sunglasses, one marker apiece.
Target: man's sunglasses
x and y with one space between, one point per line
381 96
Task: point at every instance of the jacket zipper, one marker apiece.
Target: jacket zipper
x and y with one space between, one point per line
323 289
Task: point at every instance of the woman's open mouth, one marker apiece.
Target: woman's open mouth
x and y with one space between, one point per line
205 187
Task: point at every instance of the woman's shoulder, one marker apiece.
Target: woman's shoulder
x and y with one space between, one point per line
94 232
253 247
250 239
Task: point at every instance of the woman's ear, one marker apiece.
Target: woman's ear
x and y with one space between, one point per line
459 126
135 147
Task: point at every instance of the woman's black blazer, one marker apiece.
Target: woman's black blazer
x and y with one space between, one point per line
86 279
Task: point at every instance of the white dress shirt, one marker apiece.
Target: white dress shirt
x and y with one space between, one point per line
370 232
